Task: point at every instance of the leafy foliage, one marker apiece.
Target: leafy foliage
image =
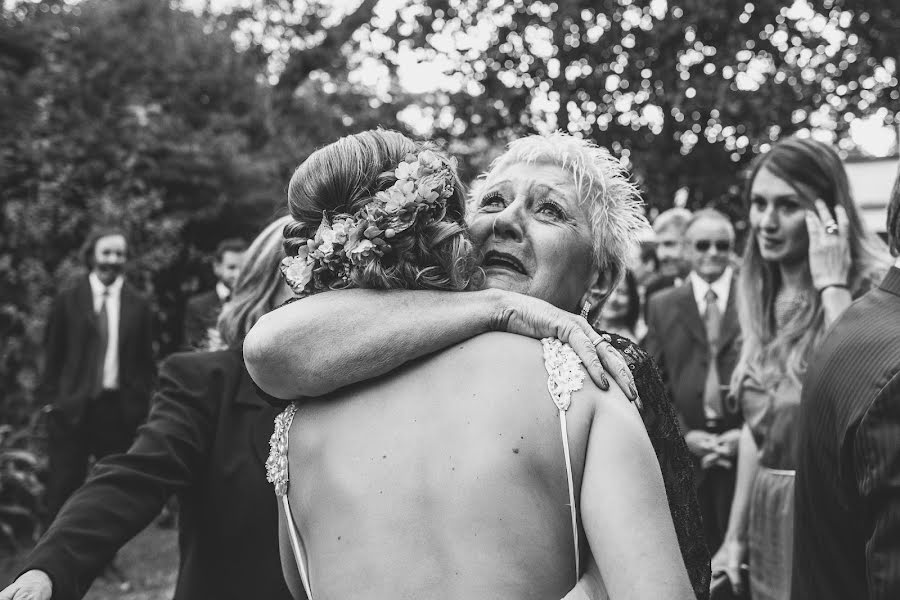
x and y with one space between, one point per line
686 91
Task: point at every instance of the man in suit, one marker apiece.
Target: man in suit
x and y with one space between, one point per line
671 264
693 334
203 309
206 440
847 495
99 369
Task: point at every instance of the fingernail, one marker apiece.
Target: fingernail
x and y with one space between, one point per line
634 394
604 382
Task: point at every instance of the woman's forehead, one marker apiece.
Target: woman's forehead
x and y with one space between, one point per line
530 175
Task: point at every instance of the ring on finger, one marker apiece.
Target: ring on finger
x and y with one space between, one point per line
831 227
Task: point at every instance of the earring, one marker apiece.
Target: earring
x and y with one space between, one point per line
585 309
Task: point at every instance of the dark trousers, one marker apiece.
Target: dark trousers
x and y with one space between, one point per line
715 493
102 430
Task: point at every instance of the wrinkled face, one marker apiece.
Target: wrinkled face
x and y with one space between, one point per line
534 234
228 269
109 257
709 242
670 252
777 218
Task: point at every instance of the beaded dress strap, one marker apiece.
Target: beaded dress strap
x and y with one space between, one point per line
277 475
565 376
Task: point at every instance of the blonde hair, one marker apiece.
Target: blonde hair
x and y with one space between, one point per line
615 208
770 351
257 286
344 176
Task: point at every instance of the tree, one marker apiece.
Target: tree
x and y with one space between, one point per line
687 92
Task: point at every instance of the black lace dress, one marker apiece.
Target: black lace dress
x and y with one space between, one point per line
674 460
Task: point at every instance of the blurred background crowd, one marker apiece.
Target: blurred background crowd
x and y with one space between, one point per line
181 121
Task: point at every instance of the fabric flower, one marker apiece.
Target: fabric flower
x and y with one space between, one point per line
430 161
407 170
297 270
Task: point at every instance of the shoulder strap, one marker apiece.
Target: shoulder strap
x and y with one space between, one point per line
564 376
277 474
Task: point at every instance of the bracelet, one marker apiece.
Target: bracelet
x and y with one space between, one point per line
842 286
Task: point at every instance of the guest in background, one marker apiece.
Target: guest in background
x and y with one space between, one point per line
619 314
99 368
206 440
672 268
807 255
693 333
202 310
846 542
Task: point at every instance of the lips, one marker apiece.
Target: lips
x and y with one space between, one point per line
502 260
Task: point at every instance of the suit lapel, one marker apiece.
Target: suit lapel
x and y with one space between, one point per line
730 325
690 314
84 304
262 423
126 313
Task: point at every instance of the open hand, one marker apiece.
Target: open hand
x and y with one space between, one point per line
535 318
31 585
829 253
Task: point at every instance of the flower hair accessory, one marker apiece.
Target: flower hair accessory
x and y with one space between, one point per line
419 196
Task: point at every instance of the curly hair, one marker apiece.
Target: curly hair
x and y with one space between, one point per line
343 177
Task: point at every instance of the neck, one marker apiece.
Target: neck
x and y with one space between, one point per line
792 274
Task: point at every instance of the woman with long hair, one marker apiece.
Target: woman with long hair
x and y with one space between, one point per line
205 440
808 255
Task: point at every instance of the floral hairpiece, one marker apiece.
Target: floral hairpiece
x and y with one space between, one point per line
424 183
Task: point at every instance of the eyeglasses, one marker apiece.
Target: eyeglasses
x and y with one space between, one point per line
704 245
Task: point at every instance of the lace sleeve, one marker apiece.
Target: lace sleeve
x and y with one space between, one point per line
674 460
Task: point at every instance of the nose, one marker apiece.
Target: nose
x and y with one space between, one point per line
508 222
769 219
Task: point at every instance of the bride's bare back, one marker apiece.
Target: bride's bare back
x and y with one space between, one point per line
446 479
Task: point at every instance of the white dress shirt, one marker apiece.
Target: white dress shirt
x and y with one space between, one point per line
113 307
222 291
721 287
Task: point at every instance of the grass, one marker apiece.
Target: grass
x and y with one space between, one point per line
149 561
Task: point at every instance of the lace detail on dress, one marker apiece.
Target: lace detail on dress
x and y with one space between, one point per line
277 463
564 370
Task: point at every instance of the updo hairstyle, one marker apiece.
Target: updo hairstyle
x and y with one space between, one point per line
343 177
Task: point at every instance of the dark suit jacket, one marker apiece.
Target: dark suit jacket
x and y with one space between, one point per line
676 339
847 515
207 439
72 345
200 314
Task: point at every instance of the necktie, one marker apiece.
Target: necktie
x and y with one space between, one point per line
103 329
712 394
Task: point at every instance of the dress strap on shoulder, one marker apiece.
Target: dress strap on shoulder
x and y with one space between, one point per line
565 376
277 475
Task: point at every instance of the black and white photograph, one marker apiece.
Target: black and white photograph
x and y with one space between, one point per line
451 299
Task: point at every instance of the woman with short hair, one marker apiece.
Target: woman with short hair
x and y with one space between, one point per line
535 223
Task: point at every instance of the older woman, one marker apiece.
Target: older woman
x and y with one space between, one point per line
808 255
421 481
332 340
205 440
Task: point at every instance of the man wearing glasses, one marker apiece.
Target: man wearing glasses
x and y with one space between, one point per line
694 335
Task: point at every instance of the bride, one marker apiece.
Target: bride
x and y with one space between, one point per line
458 475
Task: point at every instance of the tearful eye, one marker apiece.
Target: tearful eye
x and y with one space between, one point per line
551 209
492 200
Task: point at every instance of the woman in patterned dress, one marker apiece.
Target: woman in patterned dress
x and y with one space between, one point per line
807 256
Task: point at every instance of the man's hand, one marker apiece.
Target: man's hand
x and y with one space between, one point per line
700 443
535 318
727 443
31 585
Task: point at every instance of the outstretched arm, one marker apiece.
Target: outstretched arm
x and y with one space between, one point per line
330 340
625 512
